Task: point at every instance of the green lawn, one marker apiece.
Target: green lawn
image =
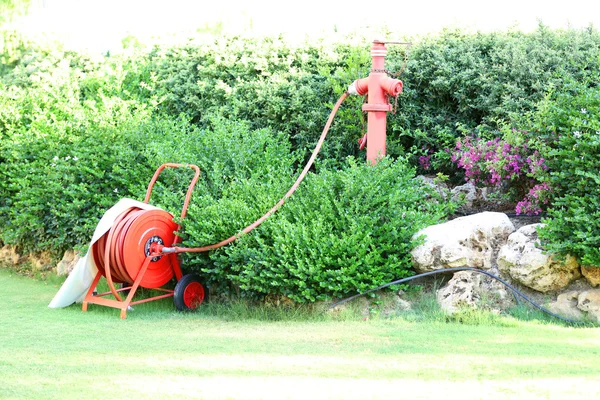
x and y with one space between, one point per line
158 353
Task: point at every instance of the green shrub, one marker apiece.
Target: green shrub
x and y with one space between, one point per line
341 232
569 121
266 82
344 231
454 83
248 110
55 187
62 158
458 83
243 173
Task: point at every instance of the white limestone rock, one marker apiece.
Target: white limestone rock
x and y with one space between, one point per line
468 289
68 262
525 262
566 306
471 241
592 274
589 301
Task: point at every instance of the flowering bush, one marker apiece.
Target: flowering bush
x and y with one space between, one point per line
572 118
456 83
537 197
514 169
425 162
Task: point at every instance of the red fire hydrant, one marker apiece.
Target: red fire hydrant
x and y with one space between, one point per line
379 86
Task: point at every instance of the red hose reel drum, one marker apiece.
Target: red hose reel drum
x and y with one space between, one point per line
128 243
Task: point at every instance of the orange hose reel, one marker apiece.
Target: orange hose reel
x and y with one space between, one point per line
127 254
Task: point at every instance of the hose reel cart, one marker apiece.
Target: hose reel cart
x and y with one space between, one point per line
130 254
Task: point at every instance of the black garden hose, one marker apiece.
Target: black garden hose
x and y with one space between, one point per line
515 292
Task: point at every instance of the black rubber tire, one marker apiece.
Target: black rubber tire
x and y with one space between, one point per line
182 285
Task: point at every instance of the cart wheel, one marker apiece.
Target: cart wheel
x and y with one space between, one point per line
189 293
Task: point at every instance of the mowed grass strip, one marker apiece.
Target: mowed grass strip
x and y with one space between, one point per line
159 353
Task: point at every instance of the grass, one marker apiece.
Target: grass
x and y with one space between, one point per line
234 352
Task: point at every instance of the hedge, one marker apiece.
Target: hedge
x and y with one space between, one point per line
78 132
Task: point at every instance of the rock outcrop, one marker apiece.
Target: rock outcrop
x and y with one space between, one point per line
471 241
469 289
400 304
40 261
469 196
589 301
525 262
68 262
9 255
566 306
592 274
440 188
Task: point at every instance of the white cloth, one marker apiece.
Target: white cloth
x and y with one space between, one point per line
79 280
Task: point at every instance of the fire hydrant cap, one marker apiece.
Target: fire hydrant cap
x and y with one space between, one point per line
393 87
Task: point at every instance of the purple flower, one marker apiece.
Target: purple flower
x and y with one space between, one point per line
534 200
497 162
424 161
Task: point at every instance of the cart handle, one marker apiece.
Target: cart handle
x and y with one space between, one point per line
188 196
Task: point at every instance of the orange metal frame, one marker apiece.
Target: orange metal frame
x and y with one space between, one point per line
118 302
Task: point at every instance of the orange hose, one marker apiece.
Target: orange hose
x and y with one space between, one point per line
276 207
